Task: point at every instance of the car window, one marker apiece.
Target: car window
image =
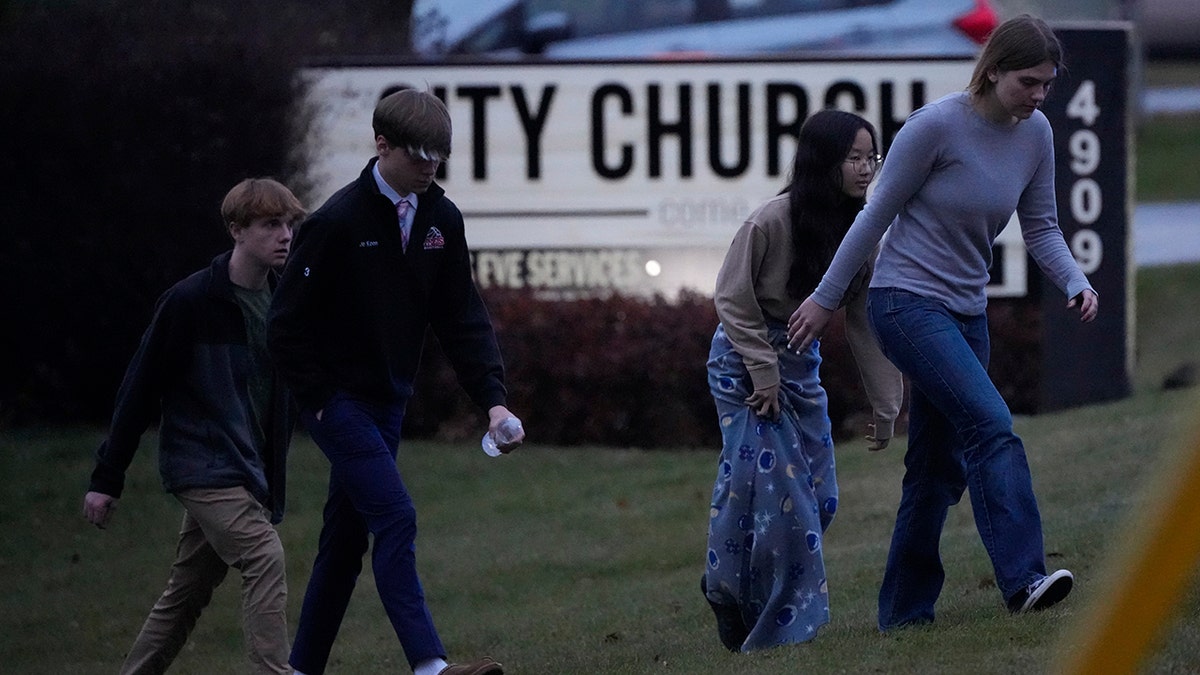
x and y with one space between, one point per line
592 17
755 8
502 32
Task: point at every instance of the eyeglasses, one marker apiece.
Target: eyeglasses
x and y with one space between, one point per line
870 162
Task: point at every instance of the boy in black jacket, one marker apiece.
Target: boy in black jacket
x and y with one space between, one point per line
224 426
382 260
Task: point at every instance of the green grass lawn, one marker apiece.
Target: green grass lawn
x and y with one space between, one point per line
1168 159
586 560
1180 72
1168 146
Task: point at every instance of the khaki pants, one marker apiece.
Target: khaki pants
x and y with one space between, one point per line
222 528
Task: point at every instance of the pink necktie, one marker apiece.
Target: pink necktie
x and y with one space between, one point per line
402 207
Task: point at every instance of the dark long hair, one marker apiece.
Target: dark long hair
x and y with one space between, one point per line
821 212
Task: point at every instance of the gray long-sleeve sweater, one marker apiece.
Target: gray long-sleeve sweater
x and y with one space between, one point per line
951 182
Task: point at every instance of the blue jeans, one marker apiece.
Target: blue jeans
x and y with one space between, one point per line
366 495
960 437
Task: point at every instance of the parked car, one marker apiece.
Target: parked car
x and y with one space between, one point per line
586 29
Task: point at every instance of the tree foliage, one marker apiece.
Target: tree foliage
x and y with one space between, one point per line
125 123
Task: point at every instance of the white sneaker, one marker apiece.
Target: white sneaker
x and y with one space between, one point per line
1047 591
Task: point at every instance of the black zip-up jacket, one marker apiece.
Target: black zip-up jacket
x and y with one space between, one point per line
352 307
192 368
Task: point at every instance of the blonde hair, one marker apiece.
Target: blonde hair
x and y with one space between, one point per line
1021 42
258 197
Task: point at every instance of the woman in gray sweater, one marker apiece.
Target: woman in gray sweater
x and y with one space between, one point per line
776 489
956 172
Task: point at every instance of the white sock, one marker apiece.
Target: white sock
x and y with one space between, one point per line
430 667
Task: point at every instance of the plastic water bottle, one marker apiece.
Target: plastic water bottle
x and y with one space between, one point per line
510 428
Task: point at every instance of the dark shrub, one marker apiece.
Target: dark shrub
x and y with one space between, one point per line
621 371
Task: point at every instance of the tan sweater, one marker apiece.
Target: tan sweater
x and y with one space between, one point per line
752 286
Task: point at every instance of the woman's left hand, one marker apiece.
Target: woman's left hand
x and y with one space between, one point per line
1089 305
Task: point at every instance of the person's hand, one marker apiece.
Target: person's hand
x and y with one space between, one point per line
765 402
98 508
1089 305
875 444
496 415
807 324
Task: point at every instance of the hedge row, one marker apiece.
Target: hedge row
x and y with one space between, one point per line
630 372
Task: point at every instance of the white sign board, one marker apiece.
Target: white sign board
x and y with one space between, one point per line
620 175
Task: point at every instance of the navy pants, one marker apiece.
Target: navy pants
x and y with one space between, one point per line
366 495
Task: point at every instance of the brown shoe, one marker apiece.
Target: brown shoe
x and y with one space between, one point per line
484 666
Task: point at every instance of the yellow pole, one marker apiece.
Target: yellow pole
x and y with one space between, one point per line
1148 578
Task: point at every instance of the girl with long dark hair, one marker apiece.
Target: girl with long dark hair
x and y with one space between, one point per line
776 489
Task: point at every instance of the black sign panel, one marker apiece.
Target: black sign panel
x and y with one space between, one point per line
1089 112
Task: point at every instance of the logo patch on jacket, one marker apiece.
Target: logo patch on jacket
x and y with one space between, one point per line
434 240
